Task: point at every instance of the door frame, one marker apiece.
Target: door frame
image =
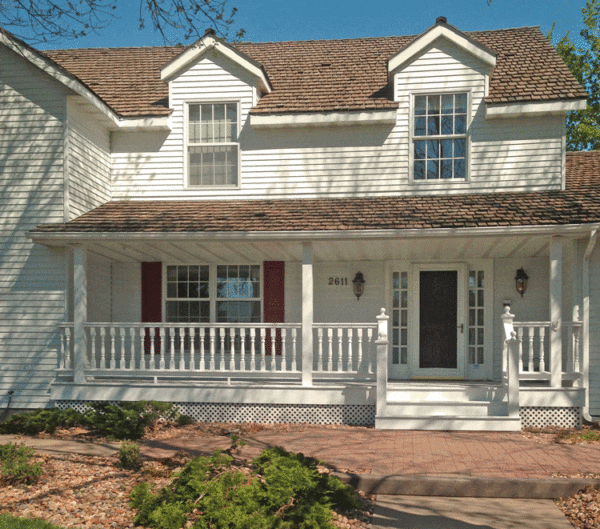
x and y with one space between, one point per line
458 373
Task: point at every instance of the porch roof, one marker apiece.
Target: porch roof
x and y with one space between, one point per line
579 203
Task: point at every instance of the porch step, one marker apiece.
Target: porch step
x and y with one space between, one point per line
440 392
445 408
503 424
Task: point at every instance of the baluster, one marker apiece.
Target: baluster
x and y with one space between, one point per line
232 349
349 359
92 331
320 349
202 365
576 352
570 352
61 359
222 350
181 331
67 357
212 349
370 351
340 337
359 362
170 331
284 349
242 349
542 359
132 348
143 360
102 348
263 352
294 364
112 363
330 350
252 349
152 348
162 343
273 364
520 336
530 353
192 335
121 360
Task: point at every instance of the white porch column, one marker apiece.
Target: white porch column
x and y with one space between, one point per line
555 342
79 312
382 361
307 313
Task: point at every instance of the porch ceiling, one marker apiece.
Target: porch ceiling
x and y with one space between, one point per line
414 249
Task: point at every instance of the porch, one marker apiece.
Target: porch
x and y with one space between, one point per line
503 368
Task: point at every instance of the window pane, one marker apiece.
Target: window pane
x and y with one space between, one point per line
203 276
432 149
480 279
182 291
171 310
459 169
447 103
171 290
446 167
419 150
420 126
460 148
433 105
420 105
193 290
193 273
433 125
460 103
419 172
446 149
432 169
447 125
213 165
460 124
182 273
203 290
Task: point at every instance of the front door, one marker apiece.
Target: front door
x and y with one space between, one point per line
439 351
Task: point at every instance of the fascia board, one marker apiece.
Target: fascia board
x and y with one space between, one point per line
567 230
437 31
156 123
314 119
194 52
59 75
512 110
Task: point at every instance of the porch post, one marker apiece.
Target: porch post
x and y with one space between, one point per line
79 313
556 257
382 361
307 313
511 348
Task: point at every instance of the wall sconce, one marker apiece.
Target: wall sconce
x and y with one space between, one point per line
358 285
521 281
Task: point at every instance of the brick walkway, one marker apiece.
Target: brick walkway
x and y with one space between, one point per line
360 450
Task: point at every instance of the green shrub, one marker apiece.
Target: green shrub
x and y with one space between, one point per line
41 421
15 467
280 491
184 420
129 456
126 420
11 522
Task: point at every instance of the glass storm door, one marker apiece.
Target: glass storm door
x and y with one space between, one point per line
440 329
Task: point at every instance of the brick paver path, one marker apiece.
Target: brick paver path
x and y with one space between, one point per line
362 450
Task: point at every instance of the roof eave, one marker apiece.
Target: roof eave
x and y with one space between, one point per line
533 108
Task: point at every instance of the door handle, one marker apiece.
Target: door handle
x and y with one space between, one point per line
462 328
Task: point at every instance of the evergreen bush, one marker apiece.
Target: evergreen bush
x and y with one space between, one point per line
15 468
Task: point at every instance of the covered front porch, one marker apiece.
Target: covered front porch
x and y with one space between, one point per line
507 357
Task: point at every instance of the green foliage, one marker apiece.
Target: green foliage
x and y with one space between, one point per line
126 420
184 420
129 456
15 467
11 522
583 127
280 491
41 421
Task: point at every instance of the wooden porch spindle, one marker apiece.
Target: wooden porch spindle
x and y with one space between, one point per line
340 358
252 349
222 349
242 349
520 335
171 332
263 352
93 344
192 335
576 349
570 349
143 361
349 359
370 350
294 364
211 365
132 348
102 348
162 344
232 349
122 332
320 349
112 349
359 359
283 349
67 354
273 349
330 349
202 365
530 352
542 355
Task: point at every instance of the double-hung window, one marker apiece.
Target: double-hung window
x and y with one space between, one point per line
212 144
440 137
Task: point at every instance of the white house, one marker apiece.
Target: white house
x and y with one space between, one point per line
381 230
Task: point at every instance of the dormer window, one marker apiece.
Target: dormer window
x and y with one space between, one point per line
212 144
440 136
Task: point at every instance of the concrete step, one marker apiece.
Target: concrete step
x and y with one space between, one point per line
449 422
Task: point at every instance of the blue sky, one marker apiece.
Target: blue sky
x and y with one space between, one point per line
274 20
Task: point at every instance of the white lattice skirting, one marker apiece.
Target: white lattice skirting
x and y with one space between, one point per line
539 417
353 415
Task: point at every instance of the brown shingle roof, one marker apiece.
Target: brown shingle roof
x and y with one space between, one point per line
578 204
324 75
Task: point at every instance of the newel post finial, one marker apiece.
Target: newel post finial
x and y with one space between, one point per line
382 325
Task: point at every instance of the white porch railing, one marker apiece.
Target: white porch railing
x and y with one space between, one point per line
534 350
345 348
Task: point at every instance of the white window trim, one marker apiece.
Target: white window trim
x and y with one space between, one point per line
212 288
186 132
441 182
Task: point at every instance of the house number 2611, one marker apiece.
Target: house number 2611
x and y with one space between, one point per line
337 281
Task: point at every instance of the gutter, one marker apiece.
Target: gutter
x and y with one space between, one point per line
586 322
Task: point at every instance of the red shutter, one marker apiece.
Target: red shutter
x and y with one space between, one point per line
152 301
274 299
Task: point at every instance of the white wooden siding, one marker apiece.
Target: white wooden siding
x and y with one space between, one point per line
88 151
595 333
32 277
509 155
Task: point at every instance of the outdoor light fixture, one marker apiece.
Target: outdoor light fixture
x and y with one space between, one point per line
521 281
358 285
